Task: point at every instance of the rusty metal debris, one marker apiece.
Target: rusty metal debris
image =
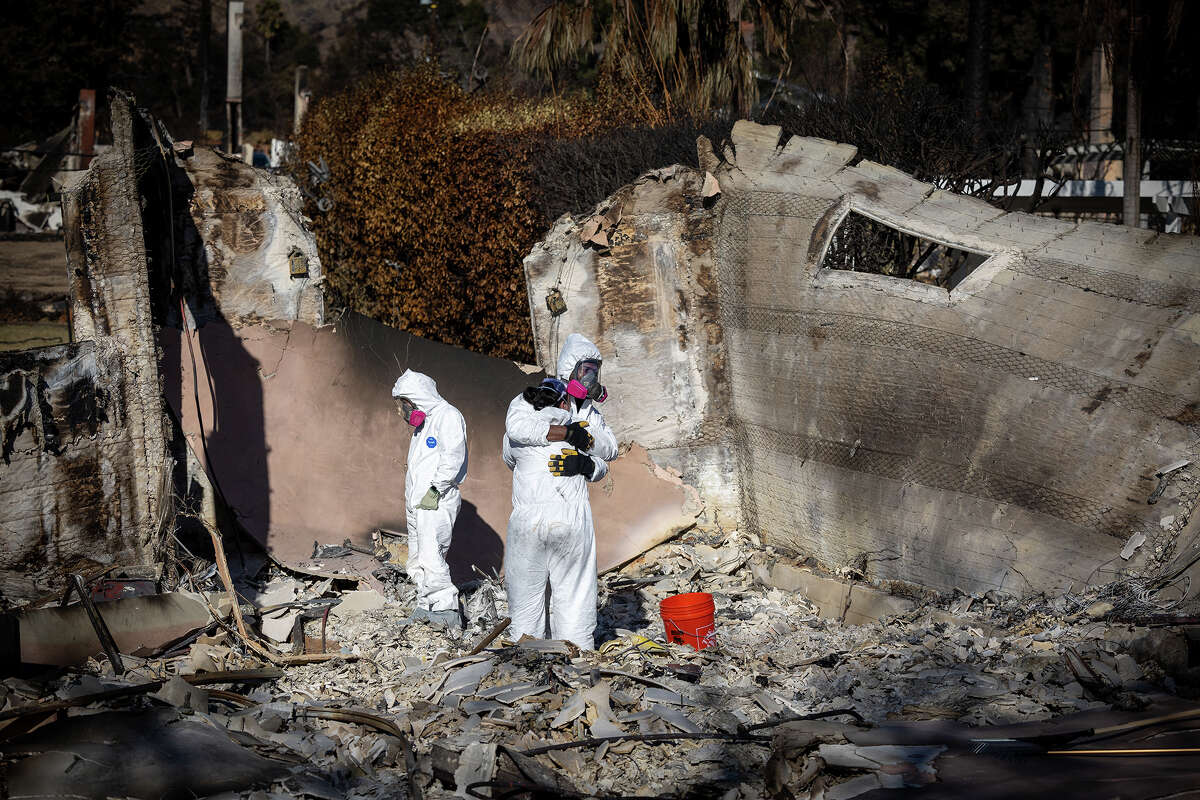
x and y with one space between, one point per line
77 586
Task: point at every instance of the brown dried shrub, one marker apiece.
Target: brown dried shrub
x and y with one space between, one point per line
438 195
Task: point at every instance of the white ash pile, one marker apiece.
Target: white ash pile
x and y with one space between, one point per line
638 717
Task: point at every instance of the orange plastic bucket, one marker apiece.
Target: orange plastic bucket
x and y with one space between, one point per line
689 619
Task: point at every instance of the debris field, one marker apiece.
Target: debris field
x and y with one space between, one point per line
784 705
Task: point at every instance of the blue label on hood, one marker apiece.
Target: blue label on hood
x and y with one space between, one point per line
431 442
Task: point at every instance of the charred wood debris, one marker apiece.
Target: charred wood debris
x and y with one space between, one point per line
312 684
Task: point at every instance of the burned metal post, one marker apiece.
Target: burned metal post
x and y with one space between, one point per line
233 77
78 586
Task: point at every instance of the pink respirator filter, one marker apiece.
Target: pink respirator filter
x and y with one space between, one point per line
576 389
416 418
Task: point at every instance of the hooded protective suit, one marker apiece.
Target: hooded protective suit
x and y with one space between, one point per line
437 457
550 535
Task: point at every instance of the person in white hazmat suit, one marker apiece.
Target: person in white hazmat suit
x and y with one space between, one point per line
437 464
555 441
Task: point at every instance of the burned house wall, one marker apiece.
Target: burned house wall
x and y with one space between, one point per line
1003 434
293 420
243 228
644 288
68 499
86 455
300 431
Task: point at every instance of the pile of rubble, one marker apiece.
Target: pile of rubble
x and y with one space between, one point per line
779 708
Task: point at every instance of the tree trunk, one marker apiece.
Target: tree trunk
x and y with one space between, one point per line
1132 166
205 35
850 56
1039 103
978 58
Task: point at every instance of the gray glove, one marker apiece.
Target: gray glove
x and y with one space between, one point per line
430 501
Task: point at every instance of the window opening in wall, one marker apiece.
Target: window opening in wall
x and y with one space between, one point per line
860 244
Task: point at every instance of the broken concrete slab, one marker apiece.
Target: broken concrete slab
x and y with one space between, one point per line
852 603
278 625
249 224
64 636
357 601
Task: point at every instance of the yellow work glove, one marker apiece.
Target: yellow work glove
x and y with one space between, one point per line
571 462
578 437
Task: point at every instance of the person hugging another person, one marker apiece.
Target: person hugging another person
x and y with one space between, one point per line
555 442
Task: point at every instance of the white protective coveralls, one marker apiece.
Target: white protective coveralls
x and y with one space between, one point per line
437 457
550 535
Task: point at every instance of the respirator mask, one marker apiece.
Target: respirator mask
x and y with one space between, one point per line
409 412
585 381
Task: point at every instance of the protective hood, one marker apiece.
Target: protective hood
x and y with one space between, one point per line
418 387
575 349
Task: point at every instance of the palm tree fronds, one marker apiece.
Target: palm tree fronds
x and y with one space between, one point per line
554 38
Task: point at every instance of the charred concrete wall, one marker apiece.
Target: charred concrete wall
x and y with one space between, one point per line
1006 432
85 439
640 278
242 230
68 498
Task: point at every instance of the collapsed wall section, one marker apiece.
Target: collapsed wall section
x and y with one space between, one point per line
244 251
1004 434
1004 427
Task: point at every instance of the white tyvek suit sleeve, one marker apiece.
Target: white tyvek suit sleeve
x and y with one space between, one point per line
525 427
605 447
606 441
453 437
506 452
599 469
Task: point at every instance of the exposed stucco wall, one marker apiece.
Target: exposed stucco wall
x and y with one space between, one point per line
649 300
